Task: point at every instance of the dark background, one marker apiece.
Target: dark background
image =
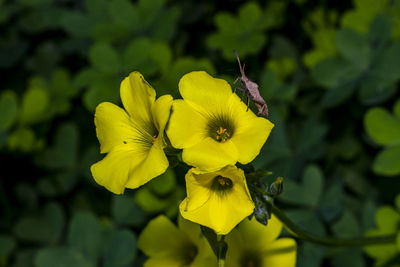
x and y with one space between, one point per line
329 72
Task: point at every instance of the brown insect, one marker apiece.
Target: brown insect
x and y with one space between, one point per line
251 90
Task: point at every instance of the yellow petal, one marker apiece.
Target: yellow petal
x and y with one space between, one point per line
200 88
186 126
161 238
222 211
163 261
205 256
161 111
113 126
250 137
154 164
138 97
192 230
258 232
197 188
113 170
280 253
211 155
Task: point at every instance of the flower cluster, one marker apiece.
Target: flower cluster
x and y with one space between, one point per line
250 244
211 124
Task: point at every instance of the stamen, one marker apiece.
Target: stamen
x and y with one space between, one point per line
222 134
221 184
221 127
154 139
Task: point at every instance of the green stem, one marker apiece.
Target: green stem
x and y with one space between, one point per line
328 241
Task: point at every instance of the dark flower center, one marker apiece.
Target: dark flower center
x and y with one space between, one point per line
220 128
221 184
250 259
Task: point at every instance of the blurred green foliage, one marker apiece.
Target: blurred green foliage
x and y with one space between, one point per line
329 72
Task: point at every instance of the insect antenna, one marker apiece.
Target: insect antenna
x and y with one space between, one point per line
240 65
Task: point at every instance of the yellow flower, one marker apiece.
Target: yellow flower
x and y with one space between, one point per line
218 200
134 140
213 126
256 245
169 246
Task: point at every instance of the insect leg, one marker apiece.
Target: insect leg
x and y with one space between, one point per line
248 103
240 89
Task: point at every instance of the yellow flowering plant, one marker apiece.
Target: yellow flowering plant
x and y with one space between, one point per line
215 133
167 245
253 244
218 200
133 139
213 126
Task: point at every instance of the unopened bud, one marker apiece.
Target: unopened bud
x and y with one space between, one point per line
276 187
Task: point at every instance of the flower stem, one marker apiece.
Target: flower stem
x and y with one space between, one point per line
328 241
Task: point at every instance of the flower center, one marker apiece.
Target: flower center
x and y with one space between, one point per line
220 128
222 135
189 253
221 184
250 259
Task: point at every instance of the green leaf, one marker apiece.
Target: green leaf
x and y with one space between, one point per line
163 184
102 88
24 139
60 257
45 228
85 235
307 220
124 13
125 211
35 102
310 255
152 203
104 58
379 31
368 214
334 73
338 95
382 126
63 154
387 219
347 226
349 257
375 90
34 2
397 202
387 67
396 109
308 192
311 135
147 56
7 245
353 47
331 205
77 24
8 109
120 251
181 66
244 32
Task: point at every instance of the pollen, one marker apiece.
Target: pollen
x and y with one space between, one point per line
222 134
154 139
221 184
221 130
